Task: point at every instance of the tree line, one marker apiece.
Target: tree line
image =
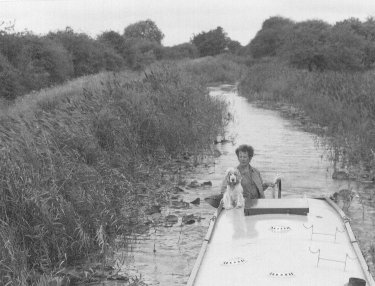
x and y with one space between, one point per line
29 62
347 45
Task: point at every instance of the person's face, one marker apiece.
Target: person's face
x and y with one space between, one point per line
243 158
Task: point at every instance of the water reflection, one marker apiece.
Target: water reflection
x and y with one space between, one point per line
165 256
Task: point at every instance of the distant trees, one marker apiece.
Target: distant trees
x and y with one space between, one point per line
6 27
29 62
233 46
316 45
88 56
10 87
363 35
114 40
141 52
271 37
215 42
146 30
304 44
141 44
344 49
211 43
43 62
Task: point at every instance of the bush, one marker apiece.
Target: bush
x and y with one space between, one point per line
139 53
112 39
87 54
211 43
270 39
215 69
144 30
11 46
43 62
182 51
112 61
10 86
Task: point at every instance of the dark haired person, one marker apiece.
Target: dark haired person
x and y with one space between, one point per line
251 182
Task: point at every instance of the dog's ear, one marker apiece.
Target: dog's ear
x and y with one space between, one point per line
228 173
238 175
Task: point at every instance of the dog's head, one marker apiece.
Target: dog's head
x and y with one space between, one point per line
233 176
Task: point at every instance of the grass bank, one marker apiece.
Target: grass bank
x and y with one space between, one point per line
81 163
342 105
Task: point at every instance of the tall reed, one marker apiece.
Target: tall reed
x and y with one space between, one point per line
220 69
81 163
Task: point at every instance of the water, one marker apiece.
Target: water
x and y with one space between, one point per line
166 255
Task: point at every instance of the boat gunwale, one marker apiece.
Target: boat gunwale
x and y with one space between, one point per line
364 267
198 261
353 240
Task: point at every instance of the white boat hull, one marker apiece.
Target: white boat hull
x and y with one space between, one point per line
280 248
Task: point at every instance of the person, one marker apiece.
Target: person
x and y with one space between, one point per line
251 182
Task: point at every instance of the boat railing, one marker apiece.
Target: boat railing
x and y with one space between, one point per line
278 186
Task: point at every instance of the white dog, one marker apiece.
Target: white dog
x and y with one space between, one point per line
233 194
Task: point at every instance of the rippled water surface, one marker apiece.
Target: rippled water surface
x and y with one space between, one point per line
166 255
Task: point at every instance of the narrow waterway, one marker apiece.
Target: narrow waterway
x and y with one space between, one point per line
166 255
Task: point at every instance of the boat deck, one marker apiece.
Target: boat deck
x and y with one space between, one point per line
312 249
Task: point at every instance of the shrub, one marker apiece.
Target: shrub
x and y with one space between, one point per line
87 54
112 61
113 40
211 43
144 30
215 69
139 53
270 39
43 62
181 51
10 86
11 46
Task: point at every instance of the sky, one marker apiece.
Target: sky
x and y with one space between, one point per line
179 20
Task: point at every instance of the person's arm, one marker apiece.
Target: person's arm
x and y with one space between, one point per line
261 191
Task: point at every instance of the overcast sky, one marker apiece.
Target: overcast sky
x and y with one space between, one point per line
178 19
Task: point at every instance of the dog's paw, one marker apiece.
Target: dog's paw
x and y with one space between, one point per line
239 204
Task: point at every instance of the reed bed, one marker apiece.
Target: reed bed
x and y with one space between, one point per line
343 104
219 69
80 163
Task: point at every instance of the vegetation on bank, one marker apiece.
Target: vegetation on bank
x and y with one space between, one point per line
29 62
325 70
341 103
348 45
82 162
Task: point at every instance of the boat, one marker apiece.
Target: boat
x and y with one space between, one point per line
281 241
